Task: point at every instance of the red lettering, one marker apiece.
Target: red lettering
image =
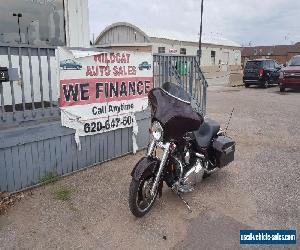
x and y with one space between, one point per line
88 71
131 70
127 58
115 71
118 58
112 58
107 70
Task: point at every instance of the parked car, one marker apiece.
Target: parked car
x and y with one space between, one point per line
145 65
261 72
70 64
290 75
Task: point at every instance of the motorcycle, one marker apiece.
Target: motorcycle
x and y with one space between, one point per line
192 148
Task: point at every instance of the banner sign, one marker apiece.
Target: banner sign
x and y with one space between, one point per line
101 91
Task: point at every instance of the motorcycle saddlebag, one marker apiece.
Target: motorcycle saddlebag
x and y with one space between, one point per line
224 148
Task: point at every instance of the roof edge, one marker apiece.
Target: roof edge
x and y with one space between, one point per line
122 24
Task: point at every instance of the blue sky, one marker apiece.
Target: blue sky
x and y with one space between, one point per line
258 22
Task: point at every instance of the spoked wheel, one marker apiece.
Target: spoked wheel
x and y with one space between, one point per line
140 198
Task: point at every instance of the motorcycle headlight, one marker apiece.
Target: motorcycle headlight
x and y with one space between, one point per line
157 131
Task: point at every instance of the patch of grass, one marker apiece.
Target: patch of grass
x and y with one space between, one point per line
63 194
49 178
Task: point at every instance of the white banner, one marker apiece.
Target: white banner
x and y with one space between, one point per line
100 92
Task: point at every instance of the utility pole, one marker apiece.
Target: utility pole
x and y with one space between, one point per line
19 15
200 35
27 29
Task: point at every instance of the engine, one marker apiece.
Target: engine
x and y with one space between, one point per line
193 176
192 171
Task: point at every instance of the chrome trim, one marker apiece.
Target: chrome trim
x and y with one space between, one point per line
200 155
187 157
161 166
193 176
230 149
158 127
151 148
161 145
211 171
175 96
251 80
221 132
291 74
181 166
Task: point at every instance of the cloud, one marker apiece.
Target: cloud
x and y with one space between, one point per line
265 22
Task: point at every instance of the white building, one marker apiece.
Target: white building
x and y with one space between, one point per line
215 51
77 23
45 23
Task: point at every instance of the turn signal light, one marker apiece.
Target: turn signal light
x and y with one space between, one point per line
172 146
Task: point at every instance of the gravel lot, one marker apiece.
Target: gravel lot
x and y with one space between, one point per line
260 190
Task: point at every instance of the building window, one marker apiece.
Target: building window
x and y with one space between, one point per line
213 57
182 51
161 50
34 22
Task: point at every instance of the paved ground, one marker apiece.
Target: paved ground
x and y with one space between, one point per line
260 190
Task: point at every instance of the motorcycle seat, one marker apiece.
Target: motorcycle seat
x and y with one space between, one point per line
208 129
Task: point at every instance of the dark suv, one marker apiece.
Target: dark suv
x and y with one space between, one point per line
261 72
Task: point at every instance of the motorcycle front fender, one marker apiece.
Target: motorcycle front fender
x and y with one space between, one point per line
145 167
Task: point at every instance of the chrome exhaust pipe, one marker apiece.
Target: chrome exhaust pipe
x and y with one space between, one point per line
211 171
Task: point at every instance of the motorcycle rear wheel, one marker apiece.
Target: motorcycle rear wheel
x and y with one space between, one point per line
140 199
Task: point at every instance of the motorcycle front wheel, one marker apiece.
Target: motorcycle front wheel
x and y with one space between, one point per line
140 198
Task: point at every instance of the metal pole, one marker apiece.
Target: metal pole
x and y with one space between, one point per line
18 16
200 35
204 83
19 29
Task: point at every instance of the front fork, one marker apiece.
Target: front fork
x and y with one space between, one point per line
166 148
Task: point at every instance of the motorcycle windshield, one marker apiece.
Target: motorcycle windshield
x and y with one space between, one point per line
170 105
176 92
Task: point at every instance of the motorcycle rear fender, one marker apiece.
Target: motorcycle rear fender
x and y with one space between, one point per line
145 167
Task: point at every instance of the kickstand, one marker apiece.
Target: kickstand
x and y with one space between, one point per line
184 201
